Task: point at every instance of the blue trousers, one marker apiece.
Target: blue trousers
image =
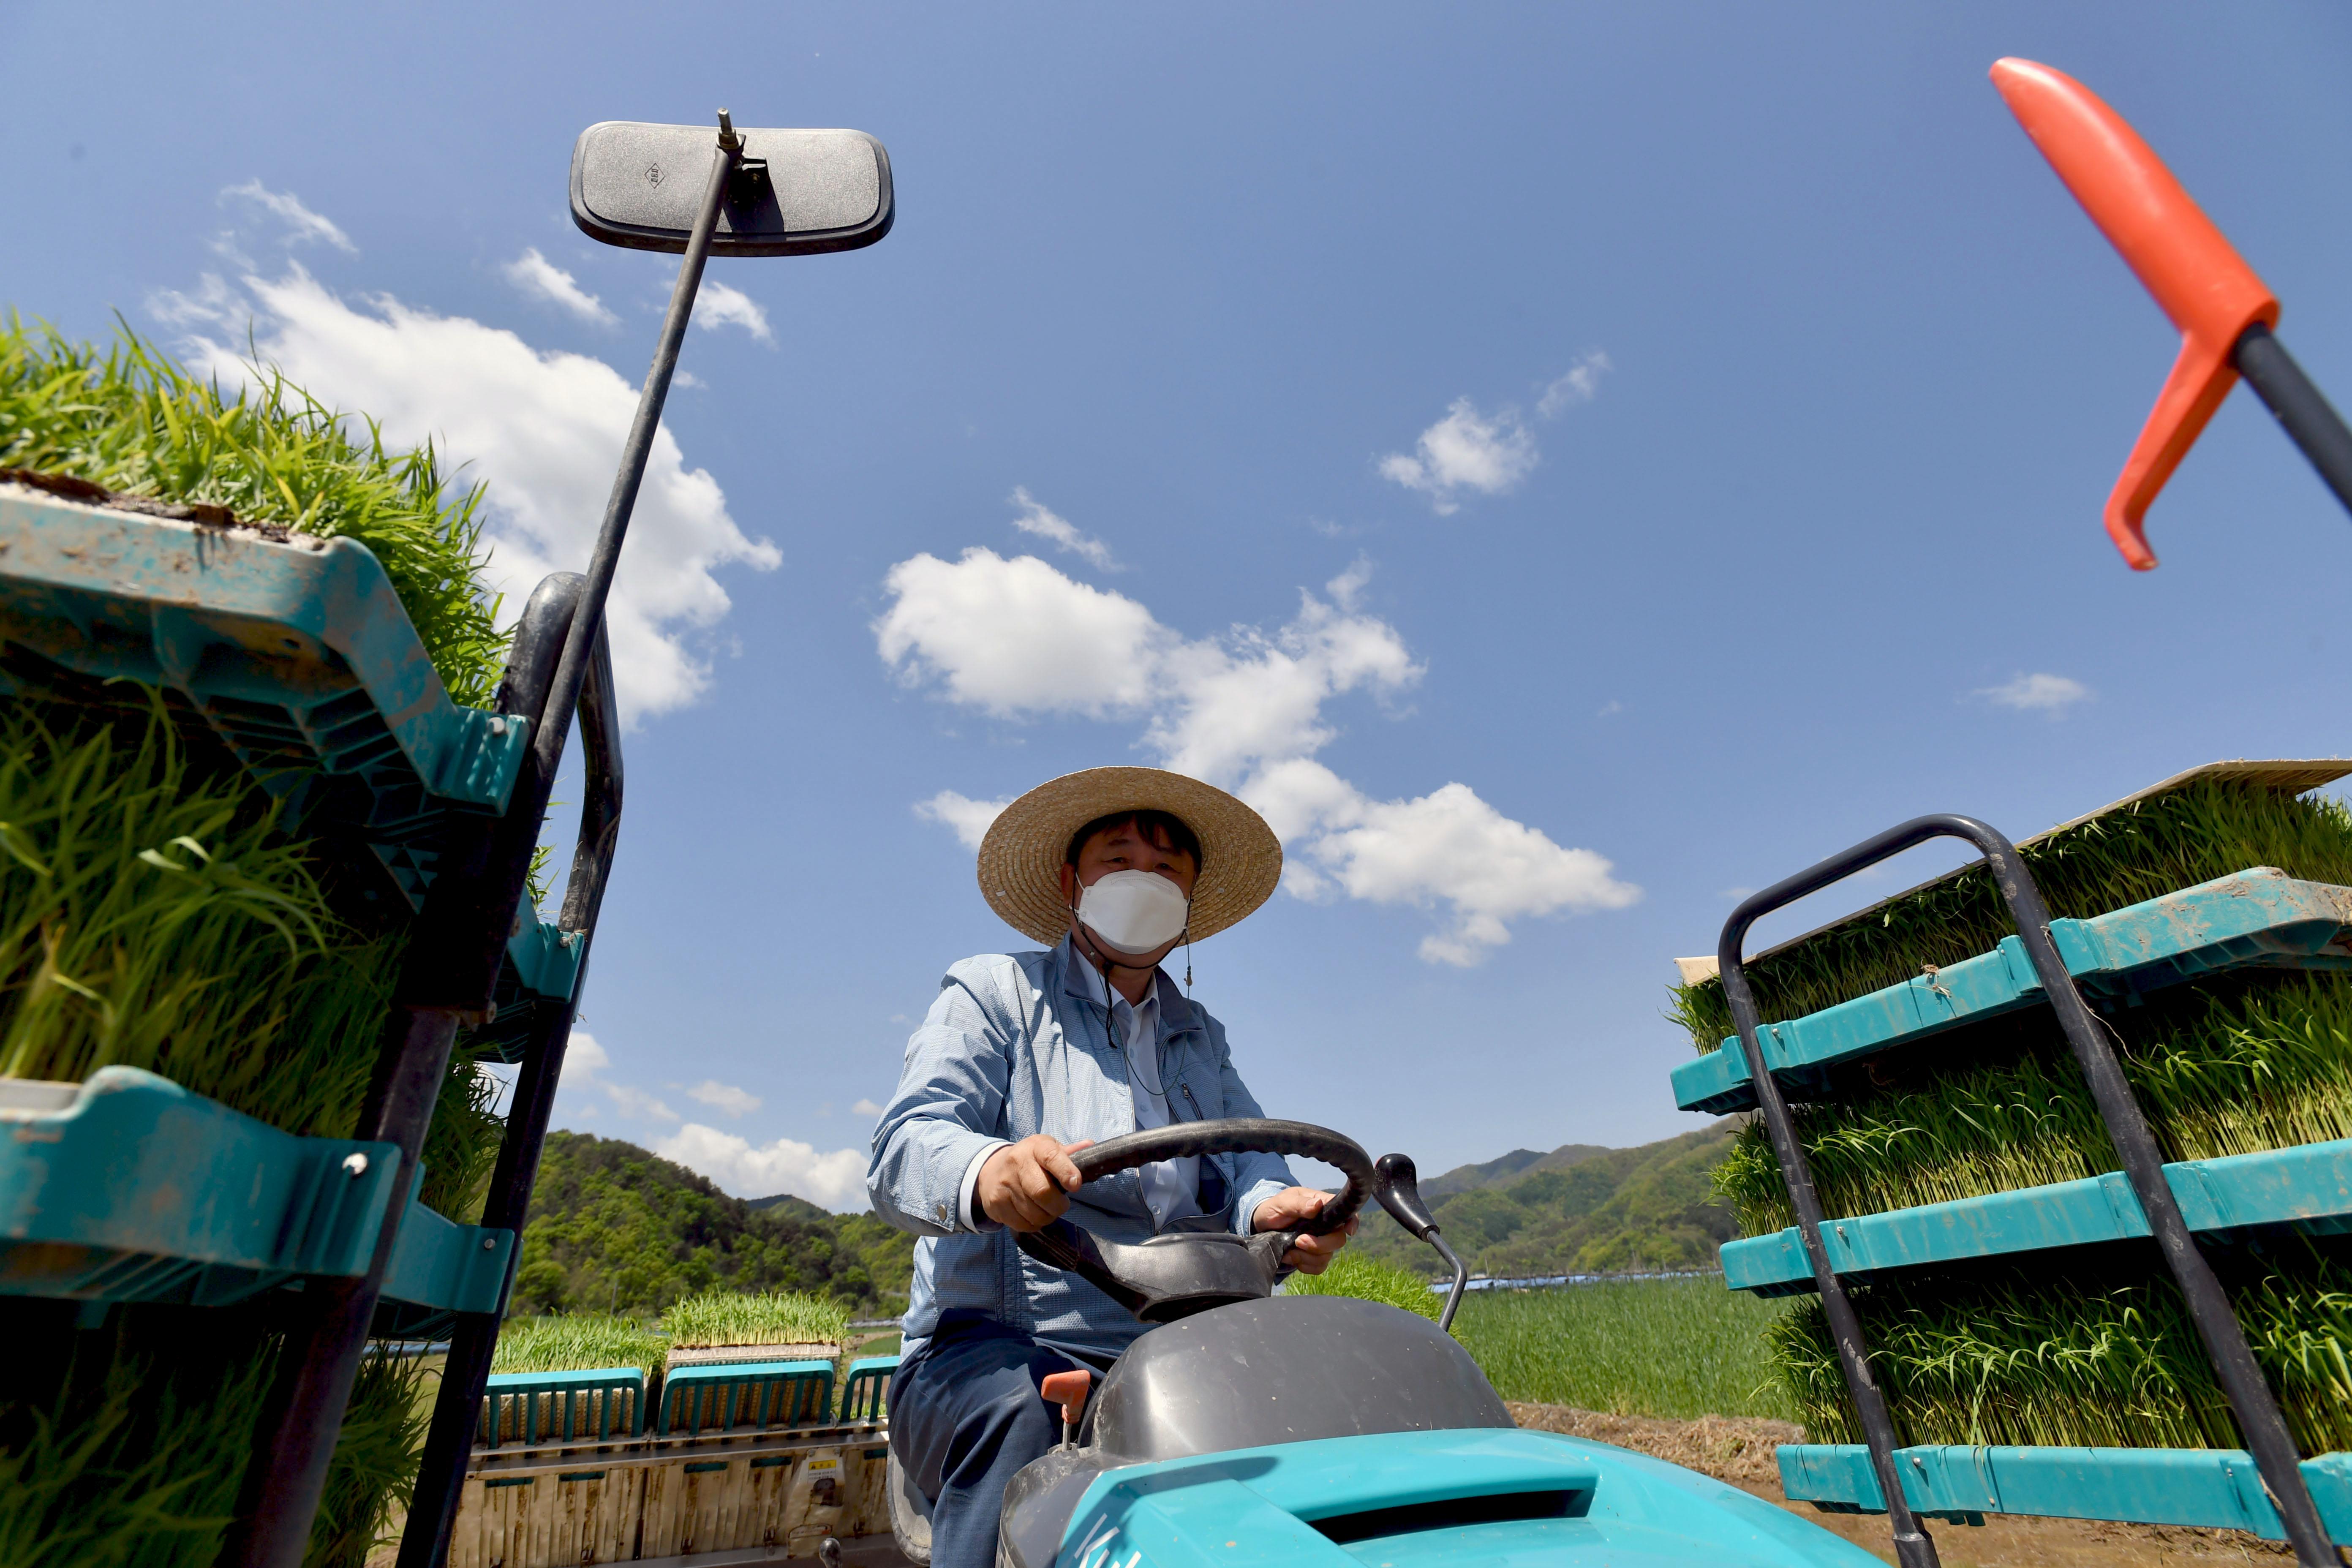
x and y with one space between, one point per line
965 1414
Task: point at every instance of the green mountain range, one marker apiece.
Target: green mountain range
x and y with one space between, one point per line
1581 1209
615 1227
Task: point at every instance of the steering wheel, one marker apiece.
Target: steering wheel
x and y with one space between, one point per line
1237 1135
1177 1274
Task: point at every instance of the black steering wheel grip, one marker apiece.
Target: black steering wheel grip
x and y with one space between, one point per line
1243 1134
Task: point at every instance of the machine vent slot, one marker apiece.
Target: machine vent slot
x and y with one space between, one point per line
1448 1513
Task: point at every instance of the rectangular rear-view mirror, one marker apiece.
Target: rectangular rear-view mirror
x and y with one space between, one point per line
797 192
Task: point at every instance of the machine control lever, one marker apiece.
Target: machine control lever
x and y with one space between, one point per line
1068 1390
1397 1184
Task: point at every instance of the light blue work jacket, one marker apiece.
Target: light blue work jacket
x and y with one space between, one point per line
1015 1045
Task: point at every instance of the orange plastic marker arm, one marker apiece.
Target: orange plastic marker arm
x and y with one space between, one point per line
2202 282
1068 1390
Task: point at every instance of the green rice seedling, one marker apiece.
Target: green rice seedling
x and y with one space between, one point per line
374 1468
2255 1063
732 1318
1370 1279
153 914
127 1448
150 917
1673 1347
577 1341
2104 1357
132 420
2142 851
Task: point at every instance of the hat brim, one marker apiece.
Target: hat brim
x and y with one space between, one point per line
1021 856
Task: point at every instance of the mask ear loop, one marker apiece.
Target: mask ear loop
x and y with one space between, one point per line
1187 950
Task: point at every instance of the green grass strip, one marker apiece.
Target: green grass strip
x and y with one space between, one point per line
774 1318
577 1341
1370 1279
132 420
2141 852
1673 1347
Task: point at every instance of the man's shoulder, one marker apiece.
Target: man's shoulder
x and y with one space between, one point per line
1002 975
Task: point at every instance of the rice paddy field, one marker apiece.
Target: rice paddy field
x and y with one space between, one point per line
1673 1347
157 912
2084 1347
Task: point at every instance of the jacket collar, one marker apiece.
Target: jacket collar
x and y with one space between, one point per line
1176 1013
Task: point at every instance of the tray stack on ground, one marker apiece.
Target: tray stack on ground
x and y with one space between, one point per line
689 1451
2034 1353
244 661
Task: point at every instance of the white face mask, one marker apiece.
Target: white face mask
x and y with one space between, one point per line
1134 911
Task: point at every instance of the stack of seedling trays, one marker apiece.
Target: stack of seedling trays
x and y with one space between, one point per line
244 664
2033 1349
721 1436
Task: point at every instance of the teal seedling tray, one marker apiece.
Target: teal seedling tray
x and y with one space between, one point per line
2260 918
540 970
536 1408
865 1393
730 1396
2213 1489
128 1188
293 651
2308 1187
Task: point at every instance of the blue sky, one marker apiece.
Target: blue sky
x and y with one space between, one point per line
1572 465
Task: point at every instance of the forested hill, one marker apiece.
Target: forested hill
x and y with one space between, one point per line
1578 1209
614 1226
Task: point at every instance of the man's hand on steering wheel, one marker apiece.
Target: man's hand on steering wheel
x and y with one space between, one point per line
1312 1254
1028 1185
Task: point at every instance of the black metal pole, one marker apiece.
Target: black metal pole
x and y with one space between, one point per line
466 1370
328 1322
574 668
2258 1420
2310 421
1914 1547
2265 1429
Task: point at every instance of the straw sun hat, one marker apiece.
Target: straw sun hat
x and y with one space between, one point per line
1022 858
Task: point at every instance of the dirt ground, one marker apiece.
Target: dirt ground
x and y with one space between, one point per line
1741 1451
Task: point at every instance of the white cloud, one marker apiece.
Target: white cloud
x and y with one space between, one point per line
1063 533
969 818
1580 385
2051 694
1244 708
1450 846
716 305
724 1097
1017 636
866 1108
584 1064
1465 451
541 430
298 224
583 1058
835 1181
537 276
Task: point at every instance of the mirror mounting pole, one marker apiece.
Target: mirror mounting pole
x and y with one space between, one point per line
572 669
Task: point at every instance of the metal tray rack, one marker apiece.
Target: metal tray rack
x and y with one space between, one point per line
290 657
2258 918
